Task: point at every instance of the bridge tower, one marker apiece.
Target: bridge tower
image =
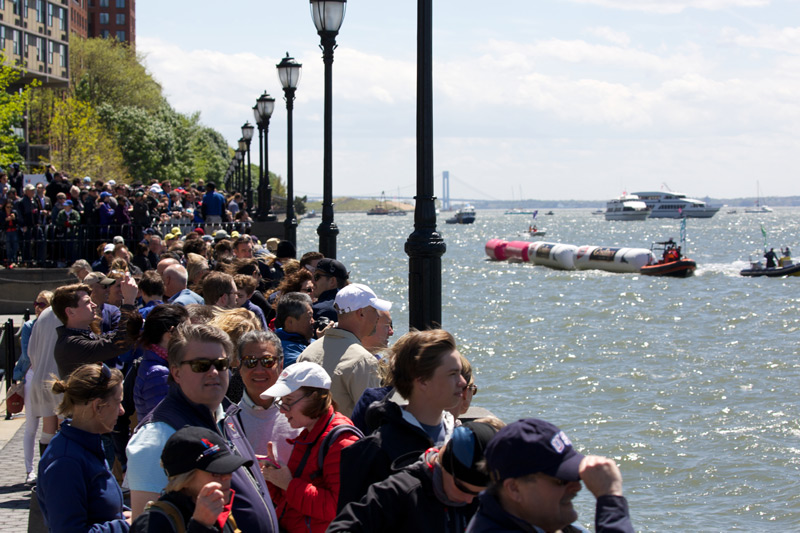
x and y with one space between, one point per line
446 190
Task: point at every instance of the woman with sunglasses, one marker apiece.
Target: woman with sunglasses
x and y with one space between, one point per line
152 374
305 496
77 491
23 370
435 494
467 394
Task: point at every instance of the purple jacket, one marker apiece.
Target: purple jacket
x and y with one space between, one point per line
151 383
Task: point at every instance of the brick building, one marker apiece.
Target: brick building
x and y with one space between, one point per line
113 19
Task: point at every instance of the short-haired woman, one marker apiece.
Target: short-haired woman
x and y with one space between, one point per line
76 490
198 496
426 373
305 496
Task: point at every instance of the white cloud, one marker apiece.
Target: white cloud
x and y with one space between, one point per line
769 38
608 34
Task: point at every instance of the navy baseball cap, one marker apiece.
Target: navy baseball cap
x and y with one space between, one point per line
531 446
197 447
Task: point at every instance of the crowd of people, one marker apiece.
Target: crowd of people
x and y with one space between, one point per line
59 219
230 386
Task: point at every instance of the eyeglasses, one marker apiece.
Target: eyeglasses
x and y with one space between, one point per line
460 486
284 406
201 366
473 389
266 362
319 276
308 289
40 304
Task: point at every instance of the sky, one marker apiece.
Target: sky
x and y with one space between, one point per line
545 99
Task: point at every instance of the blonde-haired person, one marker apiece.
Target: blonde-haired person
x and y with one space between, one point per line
196 268
23 371
467 394
76 489
235 322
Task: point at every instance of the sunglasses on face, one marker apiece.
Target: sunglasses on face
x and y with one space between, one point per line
473 389
460 486
251 362
40 304
201 366
319 276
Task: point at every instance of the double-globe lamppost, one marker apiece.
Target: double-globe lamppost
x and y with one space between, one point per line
239 168
262 112
328 16
247 136
242 185
289 75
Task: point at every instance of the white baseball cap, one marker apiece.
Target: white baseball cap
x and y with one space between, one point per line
301 374
357 296
109 248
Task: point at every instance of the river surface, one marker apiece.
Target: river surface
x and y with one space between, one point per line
691 385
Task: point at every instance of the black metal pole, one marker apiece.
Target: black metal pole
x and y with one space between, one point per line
327 229
249 182
425 246
260 190
290 224
270 215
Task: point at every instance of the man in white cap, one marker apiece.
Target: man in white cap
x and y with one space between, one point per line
352 367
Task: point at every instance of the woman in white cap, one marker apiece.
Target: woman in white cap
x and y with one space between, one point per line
305 489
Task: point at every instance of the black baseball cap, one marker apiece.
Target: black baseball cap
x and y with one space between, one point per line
332 267
531 446
464 453
195 447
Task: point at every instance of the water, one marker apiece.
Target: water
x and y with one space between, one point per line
691 385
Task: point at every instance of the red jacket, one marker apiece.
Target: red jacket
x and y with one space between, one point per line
310 505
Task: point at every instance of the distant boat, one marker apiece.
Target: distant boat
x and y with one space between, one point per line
518 211
465 215
759 207
627 207
549 213
380 208
598 212
675 205
397 213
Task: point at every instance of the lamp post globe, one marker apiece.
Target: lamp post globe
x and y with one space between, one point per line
328 16
289 76
262 112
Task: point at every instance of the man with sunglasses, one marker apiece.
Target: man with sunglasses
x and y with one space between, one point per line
260 364
330 276
199 358
436 494
536 473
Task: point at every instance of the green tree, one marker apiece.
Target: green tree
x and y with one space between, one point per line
12 108
278 187
106 71
300 204
80 146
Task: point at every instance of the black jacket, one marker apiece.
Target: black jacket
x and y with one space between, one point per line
611 516
404 502
394 444
153 521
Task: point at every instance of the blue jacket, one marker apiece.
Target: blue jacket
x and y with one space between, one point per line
76 490
151 383
213 204
256 310
293 345
324 306
24 362
186 297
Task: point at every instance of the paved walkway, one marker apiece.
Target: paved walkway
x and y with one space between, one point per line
15 496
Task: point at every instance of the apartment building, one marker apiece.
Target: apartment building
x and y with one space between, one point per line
113 19
34 36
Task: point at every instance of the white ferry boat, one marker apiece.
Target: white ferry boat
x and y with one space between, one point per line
626 207
675 205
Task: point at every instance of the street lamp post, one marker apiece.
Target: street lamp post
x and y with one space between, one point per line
242 149
247 135
289 75
328 16
425 246
239 168
262 113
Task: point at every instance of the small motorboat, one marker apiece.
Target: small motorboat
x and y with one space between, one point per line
786 267
465 215
549 213
671 264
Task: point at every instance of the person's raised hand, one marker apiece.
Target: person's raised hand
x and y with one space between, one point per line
210 503
601 476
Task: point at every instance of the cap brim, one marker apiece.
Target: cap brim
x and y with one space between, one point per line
380 305
569 470
227 464
278 390
107 282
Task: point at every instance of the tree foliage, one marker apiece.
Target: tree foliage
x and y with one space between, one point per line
12 109
79 144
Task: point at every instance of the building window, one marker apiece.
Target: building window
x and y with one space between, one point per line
63 19
40 51
24 8
104 34
121 4
16 6
103 18
63 53
50 15
2 36
120 19
103 3
121 36
39 10
15 37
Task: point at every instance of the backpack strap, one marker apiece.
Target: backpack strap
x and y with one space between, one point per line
170 511
331 438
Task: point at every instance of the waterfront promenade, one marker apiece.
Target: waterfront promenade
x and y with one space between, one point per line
15 496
